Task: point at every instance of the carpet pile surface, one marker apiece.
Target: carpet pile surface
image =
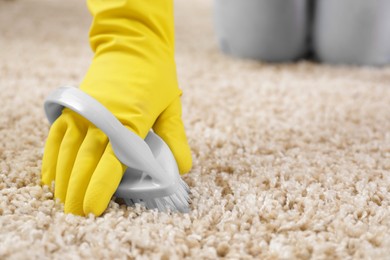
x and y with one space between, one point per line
291 161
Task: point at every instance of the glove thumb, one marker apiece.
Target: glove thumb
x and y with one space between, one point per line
169 126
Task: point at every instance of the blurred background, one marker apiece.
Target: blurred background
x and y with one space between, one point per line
355 32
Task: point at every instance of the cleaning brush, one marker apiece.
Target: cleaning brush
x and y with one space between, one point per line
152 177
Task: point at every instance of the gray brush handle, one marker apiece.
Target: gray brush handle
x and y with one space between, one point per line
129 148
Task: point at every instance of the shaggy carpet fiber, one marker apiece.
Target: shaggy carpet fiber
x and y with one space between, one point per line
291 161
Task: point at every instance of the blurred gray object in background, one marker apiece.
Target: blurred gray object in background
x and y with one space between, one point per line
352 31
269 30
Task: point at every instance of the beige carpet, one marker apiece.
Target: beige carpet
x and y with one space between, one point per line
290 161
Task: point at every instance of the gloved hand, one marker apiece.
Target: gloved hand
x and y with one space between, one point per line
133 74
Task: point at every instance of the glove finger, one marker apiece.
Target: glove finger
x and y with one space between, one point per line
169 126
52 147
70 145
104 182
88 157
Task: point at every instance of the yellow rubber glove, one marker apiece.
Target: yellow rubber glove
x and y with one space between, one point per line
133 74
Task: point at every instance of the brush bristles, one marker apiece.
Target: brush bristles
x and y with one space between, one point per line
177 202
